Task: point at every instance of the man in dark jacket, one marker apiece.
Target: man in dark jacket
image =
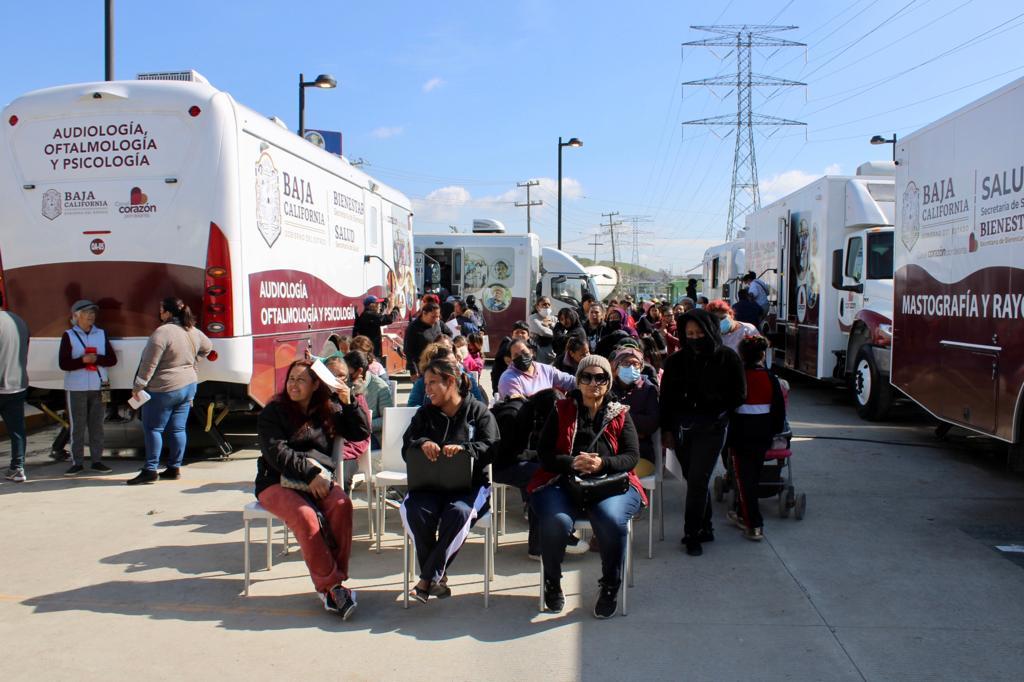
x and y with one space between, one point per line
370 321
746 309
423 331
702 383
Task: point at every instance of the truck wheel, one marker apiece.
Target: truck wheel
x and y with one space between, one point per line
871 389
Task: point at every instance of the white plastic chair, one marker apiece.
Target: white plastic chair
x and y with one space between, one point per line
396 421
254 511
627 564
486 524
365 476
652 485
393 387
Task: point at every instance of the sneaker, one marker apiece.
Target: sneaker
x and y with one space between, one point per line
755 534
101 467
17 475
607 600
419 594
706 535
59 455
735 519
692 545
577 546
170 474
145 477
554 598
344 600
439 590
74 470
533 557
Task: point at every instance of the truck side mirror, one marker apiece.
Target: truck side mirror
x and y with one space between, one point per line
837 269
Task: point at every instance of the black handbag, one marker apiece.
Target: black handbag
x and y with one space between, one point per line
586 491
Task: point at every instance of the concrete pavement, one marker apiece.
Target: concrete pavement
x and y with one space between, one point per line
893 575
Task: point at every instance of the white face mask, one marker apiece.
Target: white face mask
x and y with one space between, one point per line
544 312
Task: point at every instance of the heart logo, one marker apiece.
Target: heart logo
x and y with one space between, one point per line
138 198
972 243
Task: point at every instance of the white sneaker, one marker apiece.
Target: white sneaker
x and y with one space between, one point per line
577 546
16 475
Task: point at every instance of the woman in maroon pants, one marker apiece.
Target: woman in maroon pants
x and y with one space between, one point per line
296 434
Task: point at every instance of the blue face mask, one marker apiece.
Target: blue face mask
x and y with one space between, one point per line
629 375
725 325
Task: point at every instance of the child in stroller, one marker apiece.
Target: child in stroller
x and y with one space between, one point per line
757 445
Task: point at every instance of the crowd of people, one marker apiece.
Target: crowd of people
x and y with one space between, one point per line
577 401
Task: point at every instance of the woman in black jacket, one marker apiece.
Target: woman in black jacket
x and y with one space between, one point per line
296 435
568 325
439 520
702 383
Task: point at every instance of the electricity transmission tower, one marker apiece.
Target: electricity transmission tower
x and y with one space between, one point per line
528 184
744 196
636 233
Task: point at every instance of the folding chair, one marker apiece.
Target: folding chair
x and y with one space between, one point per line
396 421
254 511
652 485
484 523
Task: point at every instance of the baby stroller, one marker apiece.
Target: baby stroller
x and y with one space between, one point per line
776 479
776 473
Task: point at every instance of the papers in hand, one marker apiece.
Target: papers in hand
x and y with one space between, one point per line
136 403
324 375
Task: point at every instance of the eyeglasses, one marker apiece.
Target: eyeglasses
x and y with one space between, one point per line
594 377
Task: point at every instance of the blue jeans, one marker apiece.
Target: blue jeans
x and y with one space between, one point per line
610 517
12 411
163 419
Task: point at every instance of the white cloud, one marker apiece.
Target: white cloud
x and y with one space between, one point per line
433 84
454 205
443 205
384 132
781 184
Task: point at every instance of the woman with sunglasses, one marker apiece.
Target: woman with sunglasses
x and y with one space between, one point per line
588 433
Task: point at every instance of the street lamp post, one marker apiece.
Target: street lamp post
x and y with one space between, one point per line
573 142
325 81
878 139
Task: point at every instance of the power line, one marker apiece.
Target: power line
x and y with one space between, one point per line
528 184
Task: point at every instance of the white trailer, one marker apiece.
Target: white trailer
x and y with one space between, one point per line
126 192
506 273
957 347
723 267
825 251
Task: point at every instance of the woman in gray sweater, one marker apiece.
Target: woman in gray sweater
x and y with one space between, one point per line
167 372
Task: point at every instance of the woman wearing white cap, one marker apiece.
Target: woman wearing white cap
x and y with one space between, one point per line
84 355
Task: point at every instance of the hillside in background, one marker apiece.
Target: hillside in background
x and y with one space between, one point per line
628 272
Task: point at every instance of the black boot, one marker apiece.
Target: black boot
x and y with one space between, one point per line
554 599
692 544
145 477
170 474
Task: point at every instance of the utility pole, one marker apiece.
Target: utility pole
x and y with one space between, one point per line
612 226
744 196
596 244
528 184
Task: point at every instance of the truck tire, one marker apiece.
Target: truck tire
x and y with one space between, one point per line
871 389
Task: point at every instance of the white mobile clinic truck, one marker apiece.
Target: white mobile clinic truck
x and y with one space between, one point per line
722 269
958 338
826 253
506 273
127 192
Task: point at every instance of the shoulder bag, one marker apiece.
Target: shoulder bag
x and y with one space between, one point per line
586 491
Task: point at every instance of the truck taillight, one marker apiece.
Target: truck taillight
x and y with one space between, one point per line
217 320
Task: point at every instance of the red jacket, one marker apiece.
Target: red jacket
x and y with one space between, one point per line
566 410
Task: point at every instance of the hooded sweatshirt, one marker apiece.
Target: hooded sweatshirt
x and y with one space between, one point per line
473 427
703 381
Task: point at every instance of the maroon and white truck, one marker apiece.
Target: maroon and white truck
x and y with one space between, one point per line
958 335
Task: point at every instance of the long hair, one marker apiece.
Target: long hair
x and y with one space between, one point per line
433 350
572 316
180 312
320 408
447 366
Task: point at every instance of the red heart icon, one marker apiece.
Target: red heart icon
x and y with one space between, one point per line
138 198
972 243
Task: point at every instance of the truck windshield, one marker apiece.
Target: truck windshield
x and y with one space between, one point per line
571 290
880 255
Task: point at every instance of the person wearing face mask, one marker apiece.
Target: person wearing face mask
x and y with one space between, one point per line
372 388
632 388
613 333
700 386
526 377
520 331
732 330
542 330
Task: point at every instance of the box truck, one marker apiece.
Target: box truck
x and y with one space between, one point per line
127 192
506 273
826 253
722 268
958 330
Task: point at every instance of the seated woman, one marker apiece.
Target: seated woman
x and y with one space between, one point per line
296 435
351 450
588 433
631 388
442 347
439 521
365 344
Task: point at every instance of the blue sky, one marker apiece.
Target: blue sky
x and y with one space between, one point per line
453 103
